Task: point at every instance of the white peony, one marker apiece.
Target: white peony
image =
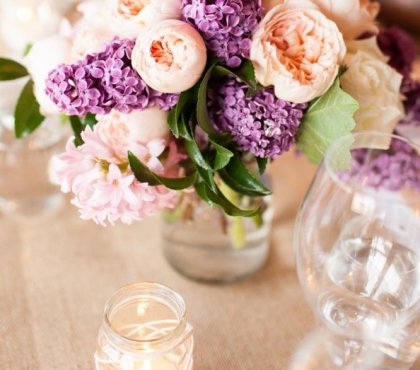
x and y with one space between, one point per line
375 85
353 17
44 56
141 126
170 57
103 20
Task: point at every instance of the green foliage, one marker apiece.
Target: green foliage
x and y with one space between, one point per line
327 119
217 160
241 180
219 199
11 70
143 174
27 114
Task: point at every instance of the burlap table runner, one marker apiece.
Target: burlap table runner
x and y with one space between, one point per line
57 273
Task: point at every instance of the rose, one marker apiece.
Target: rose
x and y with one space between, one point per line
170 57
97 27
353 17
298 50
375 85
45 55
102 21
147 12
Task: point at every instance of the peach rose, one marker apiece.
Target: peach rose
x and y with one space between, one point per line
353 17
375 85
298 50
170 57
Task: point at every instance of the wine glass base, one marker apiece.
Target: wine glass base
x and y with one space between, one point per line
322 349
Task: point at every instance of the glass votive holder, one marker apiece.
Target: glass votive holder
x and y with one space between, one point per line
145 328
26 190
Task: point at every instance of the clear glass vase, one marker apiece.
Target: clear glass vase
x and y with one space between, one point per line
204 244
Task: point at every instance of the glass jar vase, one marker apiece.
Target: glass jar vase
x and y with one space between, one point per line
145 327
204 244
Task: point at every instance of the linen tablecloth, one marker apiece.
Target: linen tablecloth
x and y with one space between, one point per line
56 274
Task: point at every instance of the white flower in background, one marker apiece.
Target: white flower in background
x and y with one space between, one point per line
375 85
103 20
24 22
44 56
353 17
147 12
170 57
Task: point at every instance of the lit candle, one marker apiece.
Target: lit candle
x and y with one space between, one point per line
145 328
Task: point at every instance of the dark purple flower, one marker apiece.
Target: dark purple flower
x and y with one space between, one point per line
226 26
393 170
261 124
400 47
104 81
411 90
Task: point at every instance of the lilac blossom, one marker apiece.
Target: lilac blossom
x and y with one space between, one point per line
226 26
261 124
104 81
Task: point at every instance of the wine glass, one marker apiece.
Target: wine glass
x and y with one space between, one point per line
357 245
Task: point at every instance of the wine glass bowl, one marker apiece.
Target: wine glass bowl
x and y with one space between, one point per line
357 246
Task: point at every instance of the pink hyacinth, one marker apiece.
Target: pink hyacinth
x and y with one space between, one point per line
104 187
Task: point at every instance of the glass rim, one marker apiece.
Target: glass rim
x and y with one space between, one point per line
351 138
173 300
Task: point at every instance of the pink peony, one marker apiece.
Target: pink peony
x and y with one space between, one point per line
104 187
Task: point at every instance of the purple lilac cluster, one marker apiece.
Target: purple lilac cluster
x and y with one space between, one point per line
393 170
104 81
226 26
399 47
261 124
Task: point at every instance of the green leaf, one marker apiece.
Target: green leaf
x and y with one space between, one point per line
27 115
203 118
143 174
327 119
89 120
196 156
245 73
241 180
223 156
219 199
179 116
27 49
11 70
77 128
173 123
208 177
262 164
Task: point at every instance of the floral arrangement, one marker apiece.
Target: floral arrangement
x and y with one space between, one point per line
172 95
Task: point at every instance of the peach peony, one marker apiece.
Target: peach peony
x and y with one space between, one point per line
170 57
298 50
